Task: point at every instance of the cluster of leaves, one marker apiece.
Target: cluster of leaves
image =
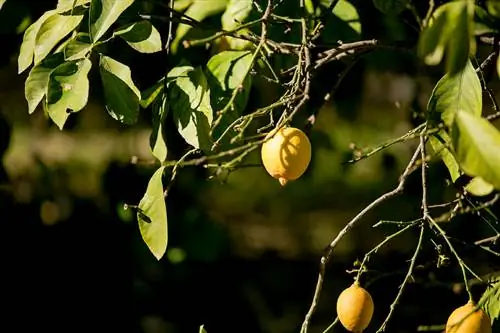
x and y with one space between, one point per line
208 103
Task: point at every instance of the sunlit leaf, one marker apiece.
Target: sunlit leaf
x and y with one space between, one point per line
157 139
490 301
37 81
391 7
345 11
477 147
52 31
68 90
198 10
191 109
27 49
142 36
479 187
236 13
103 13
461 91
152 216
150 94
451 30
202 329
122 96
64 5
2 2
78 47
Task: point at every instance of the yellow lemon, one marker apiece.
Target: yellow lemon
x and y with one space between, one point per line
287 154
355 308
477 322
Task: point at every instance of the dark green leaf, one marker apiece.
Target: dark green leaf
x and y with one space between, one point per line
451 30
122 96
484 23
103 14
142 36
68 90
198 10
157 139
150 94
37 81
52 31
190 103
29 39
477 147
78 47
391 7
454 92
152 216
493 7
236 13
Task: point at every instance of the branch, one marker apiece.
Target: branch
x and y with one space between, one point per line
326 257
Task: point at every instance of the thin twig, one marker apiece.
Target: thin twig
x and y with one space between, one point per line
328 253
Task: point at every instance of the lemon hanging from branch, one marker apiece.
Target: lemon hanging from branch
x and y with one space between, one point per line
286 154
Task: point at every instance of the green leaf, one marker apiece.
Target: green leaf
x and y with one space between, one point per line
64 5
477 147
152 216
27 49
52 31
78 47
157 139
202 329
237 11
122 96
493 7
191 108
198 10
346 12
461 91
2 2
391 7
490 301
440 143
226 71
485 23
37 81
142 36
68 90
103 13
150 94
452 31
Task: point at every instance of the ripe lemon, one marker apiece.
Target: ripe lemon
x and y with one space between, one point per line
287 154
355 308
476 322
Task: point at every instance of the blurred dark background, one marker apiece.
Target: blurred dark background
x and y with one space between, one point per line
243 254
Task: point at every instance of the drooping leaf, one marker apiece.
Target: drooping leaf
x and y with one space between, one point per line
198 10
461 91
103 13
52 31
150 94
226 72
78 46
191 109
236 13
27 49
157 139
122 96
477 147
451 30
202 329
2 2
440 143
391 7
490 301
152 216
493 7
142 36
68 90
484 22
37 81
